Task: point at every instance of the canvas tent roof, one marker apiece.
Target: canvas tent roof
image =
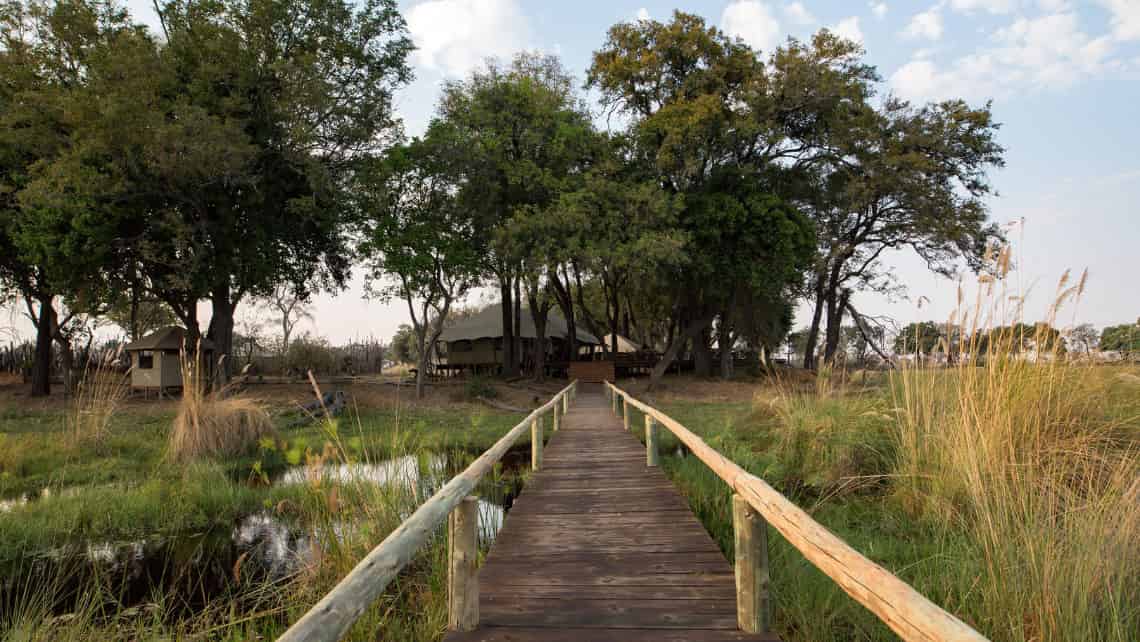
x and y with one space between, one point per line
624 344
168 338
488 324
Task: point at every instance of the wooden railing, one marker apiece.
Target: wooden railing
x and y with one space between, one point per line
332 617
898 605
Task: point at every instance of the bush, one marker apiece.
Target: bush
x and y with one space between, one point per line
479 388
213 425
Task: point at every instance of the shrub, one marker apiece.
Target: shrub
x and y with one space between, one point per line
214 424
479 388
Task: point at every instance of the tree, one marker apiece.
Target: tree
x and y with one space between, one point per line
1123 338
139 317
50 52
405 345
419 241
1018 338
618 226
518 134
225 155
920 337
718 131
291 308
1086 336
910 178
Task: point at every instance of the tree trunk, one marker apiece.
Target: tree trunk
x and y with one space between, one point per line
518 324
813 331
135 312
539 342
508 326
702 354
836 304
422 368
614 319
724 340
41 367
674 349
221 333
566 305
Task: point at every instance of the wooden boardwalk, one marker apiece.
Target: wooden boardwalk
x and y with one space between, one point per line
601 547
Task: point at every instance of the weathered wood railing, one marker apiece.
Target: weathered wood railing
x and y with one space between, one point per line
332 617
898 605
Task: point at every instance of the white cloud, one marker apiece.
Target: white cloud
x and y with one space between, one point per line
1125 18
992 6
454 36
797 13
643 14
879 9
1047 52
752 21
849 28
927 24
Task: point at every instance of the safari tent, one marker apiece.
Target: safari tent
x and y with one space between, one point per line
476 343
155 363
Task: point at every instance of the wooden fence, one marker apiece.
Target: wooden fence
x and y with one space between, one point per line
332 617
899 606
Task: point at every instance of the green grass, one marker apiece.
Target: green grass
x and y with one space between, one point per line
124 488
845 456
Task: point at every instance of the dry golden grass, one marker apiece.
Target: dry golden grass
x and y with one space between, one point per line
214 424
1040 464
100 394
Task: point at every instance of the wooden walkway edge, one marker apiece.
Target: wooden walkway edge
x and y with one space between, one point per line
600 546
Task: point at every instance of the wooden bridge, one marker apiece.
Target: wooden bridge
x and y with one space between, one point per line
600 547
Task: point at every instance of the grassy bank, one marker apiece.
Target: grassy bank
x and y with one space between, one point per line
125 488
1010 494
126 485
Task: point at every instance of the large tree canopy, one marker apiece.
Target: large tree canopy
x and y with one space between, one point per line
519 136
712 121
216 164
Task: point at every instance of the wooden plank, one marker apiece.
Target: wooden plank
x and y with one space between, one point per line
534 634
607 613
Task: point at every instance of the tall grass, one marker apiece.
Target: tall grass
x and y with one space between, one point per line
214 424
99 395
1037 460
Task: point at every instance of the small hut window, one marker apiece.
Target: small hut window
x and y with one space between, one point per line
460 346
146 360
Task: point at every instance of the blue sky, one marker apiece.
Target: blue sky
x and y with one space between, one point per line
1064 78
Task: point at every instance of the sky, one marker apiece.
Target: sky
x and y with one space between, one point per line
1063 77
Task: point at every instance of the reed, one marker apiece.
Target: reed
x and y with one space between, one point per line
1037 459
99 395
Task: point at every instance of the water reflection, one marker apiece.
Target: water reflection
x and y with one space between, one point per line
201 568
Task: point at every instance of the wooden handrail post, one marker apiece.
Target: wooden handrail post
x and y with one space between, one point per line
753 601
536 443
625 413
557 418
462 553
565 404
651 457
614 396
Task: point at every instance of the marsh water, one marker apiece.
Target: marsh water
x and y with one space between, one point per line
194 570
